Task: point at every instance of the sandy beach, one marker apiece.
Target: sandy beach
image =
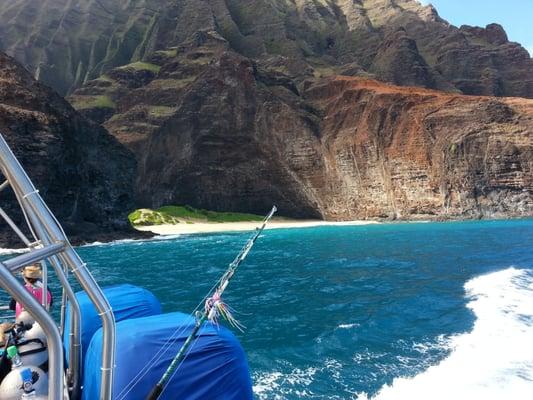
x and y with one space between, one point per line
207 227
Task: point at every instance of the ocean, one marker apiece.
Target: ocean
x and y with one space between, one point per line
391 311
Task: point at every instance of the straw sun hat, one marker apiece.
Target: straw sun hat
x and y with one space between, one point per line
32 272
4 327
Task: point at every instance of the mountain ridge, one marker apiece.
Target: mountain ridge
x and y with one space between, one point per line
344 109
66 44
216 130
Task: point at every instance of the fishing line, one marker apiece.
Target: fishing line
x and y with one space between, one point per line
181 363
159 354
214 307
169 342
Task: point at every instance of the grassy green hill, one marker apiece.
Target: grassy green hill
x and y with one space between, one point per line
186 214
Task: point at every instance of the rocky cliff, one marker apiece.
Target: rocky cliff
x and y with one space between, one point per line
209 129
84 174
238 104
415 153
214 129
67 43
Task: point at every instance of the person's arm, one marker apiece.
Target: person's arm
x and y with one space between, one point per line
12 304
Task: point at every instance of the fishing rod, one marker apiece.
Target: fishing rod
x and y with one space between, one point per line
214 306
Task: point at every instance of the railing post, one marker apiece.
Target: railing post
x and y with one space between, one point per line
41 316
41 216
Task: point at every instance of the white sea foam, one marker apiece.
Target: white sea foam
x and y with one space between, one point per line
439 343
492 362
347 326
297 383
98 243
167 237
128 241
12 251
114 242
269 382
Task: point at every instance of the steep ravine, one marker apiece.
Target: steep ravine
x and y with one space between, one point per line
217 130
84 174
68 43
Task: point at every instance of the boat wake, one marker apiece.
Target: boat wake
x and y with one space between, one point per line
495 359
267 383
297 383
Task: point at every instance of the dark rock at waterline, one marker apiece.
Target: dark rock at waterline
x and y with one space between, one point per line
84 174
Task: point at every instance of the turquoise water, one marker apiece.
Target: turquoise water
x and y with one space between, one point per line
399 311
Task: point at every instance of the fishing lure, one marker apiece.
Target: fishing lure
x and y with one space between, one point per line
215 308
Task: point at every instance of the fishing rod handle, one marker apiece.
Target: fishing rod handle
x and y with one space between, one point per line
155 393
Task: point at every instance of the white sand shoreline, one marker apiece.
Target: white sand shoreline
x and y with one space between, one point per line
210 227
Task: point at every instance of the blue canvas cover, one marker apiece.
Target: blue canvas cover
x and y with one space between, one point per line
216 367
127 301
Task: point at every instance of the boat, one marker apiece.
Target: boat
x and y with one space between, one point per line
110 343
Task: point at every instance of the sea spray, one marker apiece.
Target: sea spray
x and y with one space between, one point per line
337 311
493 361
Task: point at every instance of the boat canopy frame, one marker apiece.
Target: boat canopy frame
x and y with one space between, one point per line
51 245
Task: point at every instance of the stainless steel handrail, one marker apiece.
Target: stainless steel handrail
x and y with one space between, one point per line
16 263
51 233
41 316
15 228
75 362
74 355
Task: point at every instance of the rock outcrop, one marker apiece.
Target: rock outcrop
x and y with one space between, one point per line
67 43
210 129
413 153
84 174
214 129
238 104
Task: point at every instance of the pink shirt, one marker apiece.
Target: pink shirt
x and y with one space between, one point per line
37 292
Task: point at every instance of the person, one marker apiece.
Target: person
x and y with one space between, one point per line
31 275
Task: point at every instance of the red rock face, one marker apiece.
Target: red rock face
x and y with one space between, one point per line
241 104
414 153
216 130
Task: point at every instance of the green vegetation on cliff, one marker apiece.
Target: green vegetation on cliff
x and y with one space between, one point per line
69 43
161 111
187 214
143 66
85 102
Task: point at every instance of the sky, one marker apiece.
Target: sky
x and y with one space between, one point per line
516 16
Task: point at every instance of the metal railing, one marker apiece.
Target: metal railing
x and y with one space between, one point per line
51 245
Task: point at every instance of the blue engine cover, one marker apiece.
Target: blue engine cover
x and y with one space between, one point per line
216 367
127 301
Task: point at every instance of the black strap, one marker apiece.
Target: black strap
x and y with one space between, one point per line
32 351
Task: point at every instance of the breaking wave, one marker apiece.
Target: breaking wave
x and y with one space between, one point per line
115 242
133 241
12 251
494 360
